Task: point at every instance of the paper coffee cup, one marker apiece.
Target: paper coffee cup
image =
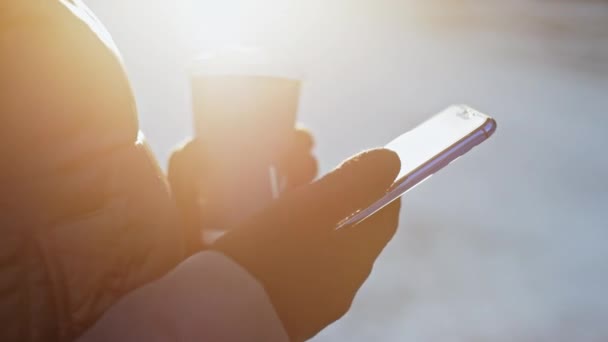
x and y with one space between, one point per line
245 106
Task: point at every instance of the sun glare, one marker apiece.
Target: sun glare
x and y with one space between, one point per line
217 24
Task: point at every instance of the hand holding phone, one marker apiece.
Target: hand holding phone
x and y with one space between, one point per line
428 148
312 272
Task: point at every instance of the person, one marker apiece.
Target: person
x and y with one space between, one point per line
98 245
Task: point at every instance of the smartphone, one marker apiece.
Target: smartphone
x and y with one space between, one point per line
428 148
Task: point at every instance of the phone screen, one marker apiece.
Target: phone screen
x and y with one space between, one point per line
429 147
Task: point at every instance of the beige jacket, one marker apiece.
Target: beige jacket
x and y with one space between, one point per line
89 228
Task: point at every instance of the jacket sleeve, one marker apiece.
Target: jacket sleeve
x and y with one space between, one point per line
207 297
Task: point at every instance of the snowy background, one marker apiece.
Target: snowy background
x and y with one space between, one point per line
509 243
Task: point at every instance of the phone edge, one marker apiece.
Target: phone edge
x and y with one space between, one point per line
426 170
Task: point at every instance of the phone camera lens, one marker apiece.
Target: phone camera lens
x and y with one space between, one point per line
465 114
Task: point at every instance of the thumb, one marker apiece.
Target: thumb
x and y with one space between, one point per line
184 175
353 185
185 171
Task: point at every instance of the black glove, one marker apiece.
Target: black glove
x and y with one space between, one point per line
188 167
310 270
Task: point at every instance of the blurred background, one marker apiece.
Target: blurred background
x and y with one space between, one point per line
508 244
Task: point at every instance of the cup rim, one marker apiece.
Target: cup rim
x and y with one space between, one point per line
244 62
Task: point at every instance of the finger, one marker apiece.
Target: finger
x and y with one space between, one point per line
356 248
365 241
303 140
185 169
184 174
355 184
298 163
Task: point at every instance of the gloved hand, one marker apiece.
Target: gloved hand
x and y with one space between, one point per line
310 270
187 176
